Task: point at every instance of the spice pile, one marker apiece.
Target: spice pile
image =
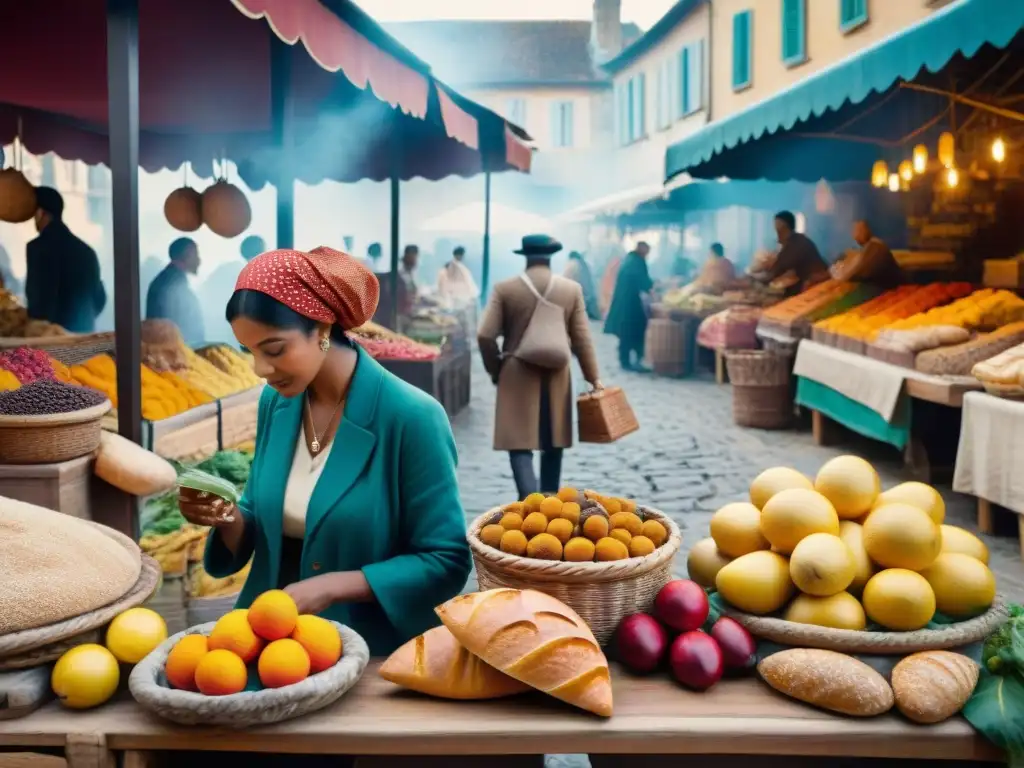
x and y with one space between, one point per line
27 364
384 344
48 396
233 363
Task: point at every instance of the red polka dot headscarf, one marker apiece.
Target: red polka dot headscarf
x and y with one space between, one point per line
324 284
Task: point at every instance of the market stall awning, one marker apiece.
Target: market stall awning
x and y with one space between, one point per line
469 218
832 124
205 85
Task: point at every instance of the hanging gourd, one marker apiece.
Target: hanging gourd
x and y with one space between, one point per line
17 195
226 211
947 149
183 209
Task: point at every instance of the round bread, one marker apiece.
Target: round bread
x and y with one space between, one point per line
56 567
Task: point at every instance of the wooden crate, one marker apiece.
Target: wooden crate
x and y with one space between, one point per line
63 487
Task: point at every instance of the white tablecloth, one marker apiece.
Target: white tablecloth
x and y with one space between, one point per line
871 383
991 453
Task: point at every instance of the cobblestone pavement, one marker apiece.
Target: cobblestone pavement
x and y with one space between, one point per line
688 459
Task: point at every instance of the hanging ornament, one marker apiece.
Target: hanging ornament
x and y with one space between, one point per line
947 149
183 208
894 182
998 150
879 174
952 177
920 158
226 211
906 170
17 195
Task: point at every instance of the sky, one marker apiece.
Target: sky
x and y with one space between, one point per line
643 12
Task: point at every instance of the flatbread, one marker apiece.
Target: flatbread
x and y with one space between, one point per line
54 567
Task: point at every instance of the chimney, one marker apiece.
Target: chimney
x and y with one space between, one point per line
606 30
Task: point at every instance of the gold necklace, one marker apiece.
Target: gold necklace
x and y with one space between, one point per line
315 445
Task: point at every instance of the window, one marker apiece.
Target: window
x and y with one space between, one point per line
637 107
742 26
665 95
621 113
852 14
691 79
794 36
561 124
515 111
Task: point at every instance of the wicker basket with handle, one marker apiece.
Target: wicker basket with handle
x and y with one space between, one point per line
605 416
601 593
51 438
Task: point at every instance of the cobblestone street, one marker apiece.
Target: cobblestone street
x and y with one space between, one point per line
687 460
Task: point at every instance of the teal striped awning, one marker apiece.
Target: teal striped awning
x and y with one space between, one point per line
970 37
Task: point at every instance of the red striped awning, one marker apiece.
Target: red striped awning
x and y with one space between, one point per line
459 124
517 152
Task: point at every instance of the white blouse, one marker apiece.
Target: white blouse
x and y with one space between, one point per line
302 479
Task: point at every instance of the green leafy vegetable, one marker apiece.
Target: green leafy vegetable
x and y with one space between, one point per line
998 652
232 466
198 480
996 708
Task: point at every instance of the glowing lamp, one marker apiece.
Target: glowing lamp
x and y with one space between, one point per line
920 158
947 149
879 173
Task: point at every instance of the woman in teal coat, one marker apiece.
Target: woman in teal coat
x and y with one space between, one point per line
352 505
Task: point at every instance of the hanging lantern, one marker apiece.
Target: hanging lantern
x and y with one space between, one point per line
947 149
183 209
906 170
999 150
952 177
225 209
894 182
879 173
920 158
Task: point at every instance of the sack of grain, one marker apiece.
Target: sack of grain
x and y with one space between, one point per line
54 567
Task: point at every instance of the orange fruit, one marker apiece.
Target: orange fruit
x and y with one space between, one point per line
272 615
233 633
321 640
183 660
221 673
283 662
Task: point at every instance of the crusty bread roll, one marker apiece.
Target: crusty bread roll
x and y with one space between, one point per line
828 680
536 639
933 685
435 663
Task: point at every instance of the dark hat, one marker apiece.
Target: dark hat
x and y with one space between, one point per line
539 245
50 200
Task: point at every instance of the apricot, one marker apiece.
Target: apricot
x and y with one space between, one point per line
610 549
534 523
511 521
321 640
627 505
532 502
221 673
655 531
233 633
272 615
627 520
283 662
640 546
571 512
621 534
568 494
579 550
551 507
183 660
513 542
491 535
612 505
515 506
544 546
561 529
595 527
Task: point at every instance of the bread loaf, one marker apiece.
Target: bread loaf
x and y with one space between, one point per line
536 639
131 468
829 680
933 685
435 663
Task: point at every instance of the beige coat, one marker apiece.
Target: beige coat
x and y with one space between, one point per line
517 412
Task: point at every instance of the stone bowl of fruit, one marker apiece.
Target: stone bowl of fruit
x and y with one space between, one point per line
254 666
836 563
603 556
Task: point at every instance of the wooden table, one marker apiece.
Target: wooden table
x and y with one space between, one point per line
653 716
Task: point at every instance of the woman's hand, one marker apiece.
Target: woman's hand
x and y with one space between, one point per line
202 508
597 385
318 593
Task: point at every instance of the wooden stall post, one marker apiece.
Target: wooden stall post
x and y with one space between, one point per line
281 118
485 276
395 210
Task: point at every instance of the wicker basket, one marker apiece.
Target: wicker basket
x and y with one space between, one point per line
762 407
666 347
240 710
51 438
755 368
874 643
601 593
605 416
70 349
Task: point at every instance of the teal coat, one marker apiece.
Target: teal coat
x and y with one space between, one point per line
387 503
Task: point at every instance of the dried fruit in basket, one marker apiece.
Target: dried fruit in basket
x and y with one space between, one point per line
48 396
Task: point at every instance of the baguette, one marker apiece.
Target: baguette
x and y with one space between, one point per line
435 663
829 680
536 639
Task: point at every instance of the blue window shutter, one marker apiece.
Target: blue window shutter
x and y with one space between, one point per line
617 117
695 89
556 124
642 117
794 37
684 82
568 130
852 14
741 50
624 113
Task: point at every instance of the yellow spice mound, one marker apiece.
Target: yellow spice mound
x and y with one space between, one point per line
56 567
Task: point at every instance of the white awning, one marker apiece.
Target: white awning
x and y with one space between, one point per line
624 202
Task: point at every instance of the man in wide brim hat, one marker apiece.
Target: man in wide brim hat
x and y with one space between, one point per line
533 410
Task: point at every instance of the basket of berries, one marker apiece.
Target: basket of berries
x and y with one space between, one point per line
48 421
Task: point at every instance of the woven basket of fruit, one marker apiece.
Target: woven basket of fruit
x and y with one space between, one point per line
48 421
200 675
604 566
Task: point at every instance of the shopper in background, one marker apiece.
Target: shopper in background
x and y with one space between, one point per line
62 280
540 318
372 260
798 256
455 283
718 272
170 297
578 271
872 263
627 315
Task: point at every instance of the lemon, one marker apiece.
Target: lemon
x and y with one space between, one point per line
773 480
852 535
756 583
794 514
134 634
822 565
899 599
736 529
963 586
916 495
839 611
86 676
850 483
901 536
966 543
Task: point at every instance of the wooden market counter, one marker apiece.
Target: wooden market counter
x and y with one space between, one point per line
653 716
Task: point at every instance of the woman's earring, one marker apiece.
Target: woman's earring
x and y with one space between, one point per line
325 344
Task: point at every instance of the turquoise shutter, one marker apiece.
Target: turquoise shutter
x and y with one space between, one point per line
684 83
618 115
852 14
568 129
695 77
741 50
794 37
641 80
556 124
